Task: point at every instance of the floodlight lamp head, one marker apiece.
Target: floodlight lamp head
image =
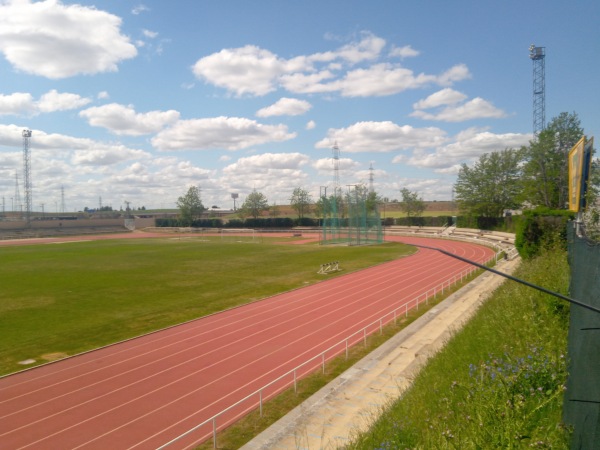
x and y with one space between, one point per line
27 133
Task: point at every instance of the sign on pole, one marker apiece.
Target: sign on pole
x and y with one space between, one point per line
580 160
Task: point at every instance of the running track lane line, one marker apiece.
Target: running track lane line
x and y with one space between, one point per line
143 427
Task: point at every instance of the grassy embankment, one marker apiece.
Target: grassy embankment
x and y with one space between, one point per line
59 300
498 383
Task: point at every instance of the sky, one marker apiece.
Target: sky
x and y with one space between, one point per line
134 101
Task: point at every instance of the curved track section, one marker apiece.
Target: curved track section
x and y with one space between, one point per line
147 391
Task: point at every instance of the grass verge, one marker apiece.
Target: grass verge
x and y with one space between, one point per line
498 383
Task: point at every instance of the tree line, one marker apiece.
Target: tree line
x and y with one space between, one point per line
532 176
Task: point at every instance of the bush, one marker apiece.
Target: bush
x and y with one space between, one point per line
541 228
306 222
438 221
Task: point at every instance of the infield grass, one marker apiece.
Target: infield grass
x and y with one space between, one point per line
63 299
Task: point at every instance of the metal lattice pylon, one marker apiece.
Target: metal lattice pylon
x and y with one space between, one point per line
27 175
538 56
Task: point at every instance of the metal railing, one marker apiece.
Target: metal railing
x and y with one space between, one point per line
327 354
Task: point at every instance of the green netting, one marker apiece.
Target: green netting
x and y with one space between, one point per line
582 398
350 221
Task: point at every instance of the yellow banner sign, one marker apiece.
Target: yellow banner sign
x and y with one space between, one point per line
576 157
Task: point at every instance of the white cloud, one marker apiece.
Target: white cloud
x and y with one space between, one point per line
139 9
325 166
103 95
79 150
268 161
245 70
23 104
17 103
444 97
273 173
231 133
123 120
149 34
456 73
381 79
285 107
251 70
382 137
310 125
368 48
60 101
404 52
466 147
107 155
308 83
477 108
54 40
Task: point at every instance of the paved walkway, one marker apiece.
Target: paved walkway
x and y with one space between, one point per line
355 398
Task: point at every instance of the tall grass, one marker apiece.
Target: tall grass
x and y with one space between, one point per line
498 383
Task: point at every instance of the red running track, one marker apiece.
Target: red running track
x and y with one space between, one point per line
144 392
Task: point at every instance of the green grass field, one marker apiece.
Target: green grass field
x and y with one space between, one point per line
64 299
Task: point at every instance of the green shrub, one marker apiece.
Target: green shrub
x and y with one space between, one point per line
540 229
435 221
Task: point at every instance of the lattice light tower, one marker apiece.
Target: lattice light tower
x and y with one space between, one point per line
538 56
27 175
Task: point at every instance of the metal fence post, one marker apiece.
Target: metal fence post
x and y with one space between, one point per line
214 432
295 382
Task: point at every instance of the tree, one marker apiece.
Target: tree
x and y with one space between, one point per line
274 210
325 206
412 204
254 204
492 185
301 201
545 173
190 206
373 201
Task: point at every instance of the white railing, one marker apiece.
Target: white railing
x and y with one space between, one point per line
345 344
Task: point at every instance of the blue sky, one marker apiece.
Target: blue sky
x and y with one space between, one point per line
135 101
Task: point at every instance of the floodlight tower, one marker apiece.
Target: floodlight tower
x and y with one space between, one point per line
27 175
371 179
538 56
